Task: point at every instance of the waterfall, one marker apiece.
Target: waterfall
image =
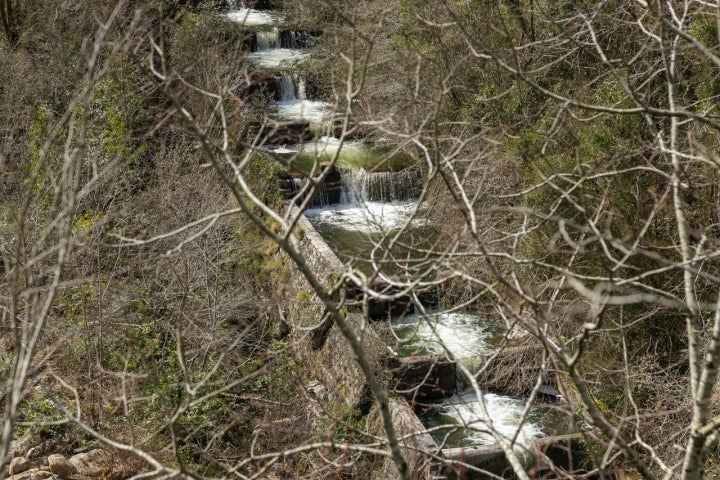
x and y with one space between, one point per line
381 186
326 193
288 39
295 38
235 4
268 40
321 197
301 94
287 88
291 88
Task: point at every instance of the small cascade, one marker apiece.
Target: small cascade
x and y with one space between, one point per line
464 336
288 39
287 88
268 40
301 93
321 197
391 186
296 38
326 193
381 186
465 410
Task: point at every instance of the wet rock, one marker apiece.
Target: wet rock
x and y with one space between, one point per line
427 377
279 133
18 465
61 466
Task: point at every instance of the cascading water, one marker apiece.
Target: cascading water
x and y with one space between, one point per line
382 186
287 88
369 205
369 202
267 40
289 39
301 93
238 12
279 51
464 336
321 197
504 416
469 339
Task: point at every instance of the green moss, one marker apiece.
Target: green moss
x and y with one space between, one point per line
304 296
84 222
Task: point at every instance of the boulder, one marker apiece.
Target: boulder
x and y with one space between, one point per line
33 474
18 465
48 447
27 475
42 475
61 466
94 463
20 445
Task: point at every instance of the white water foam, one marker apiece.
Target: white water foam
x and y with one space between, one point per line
329 146
314 111
365 217
249 16
276 58
463 335
504 412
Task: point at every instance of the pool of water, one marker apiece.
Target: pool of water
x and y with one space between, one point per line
350 154
360 231
359 218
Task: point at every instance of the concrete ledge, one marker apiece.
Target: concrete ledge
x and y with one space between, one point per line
557 453
418 447
426 378
309 237
489 458
563 452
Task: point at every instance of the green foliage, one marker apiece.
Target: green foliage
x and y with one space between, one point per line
119 119
84 222
344 425
39 167
36 412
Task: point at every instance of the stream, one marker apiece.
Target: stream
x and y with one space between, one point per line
374 205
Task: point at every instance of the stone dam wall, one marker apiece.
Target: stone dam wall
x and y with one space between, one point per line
337 386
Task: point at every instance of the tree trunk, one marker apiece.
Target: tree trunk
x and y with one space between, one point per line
8 21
